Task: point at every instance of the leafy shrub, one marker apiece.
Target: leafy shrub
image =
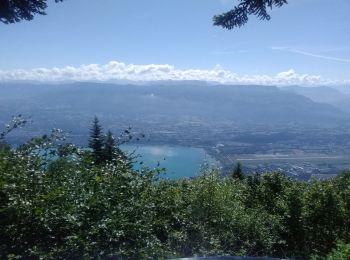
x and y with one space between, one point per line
71 207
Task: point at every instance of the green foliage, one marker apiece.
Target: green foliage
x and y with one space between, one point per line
69 210
341 252
96 141
70 207
109 149
323 216
237 172
15 123
104 148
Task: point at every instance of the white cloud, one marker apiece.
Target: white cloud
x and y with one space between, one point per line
116 71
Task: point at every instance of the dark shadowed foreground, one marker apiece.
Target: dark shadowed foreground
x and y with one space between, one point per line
227 258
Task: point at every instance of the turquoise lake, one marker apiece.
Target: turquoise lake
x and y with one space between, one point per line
179 161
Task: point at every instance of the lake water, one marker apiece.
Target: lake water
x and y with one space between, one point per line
179 161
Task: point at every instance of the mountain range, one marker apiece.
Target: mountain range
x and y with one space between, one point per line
178 105
337 97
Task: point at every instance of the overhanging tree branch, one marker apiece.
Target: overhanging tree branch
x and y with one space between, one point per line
13 11
238 16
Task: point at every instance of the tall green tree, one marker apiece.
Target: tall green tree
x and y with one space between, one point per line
237 172
96 141
109 148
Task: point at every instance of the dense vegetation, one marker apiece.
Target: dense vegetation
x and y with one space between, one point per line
72 207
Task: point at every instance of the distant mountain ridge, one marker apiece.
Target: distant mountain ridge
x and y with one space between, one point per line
175 104
328 95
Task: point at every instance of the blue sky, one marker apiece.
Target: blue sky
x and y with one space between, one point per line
306 38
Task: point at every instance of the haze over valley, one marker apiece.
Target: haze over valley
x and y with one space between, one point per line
288 129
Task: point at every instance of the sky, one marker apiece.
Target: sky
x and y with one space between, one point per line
306 42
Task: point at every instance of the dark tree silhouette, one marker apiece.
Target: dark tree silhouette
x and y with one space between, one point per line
96 141
238 16
112 152
110 148
237 172
13 11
